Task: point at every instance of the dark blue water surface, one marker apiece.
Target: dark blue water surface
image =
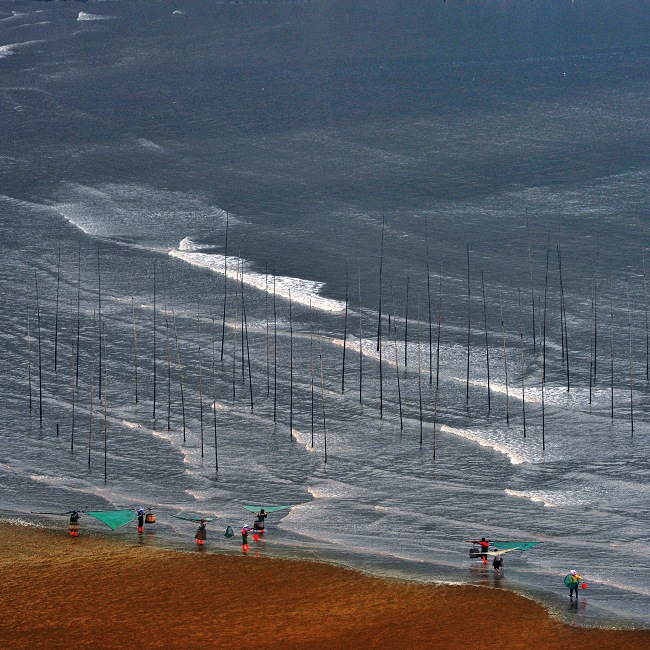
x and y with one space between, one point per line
499 151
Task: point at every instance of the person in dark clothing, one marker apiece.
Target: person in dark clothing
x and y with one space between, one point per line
140 520
485 546
73 526
201 534
258 524
497 563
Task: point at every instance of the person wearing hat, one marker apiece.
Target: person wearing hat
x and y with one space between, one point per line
201 534
260 516
140 520
244 537
497 562
73 526
574 582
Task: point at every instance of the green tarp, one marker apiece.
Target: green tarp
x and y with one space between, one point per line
512 545
251 508
114 518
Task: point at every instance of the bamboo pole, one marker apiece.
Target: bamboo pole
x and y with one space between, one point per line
426 236
92 389
248 351
322 386
437 393
266 314
56 318
275 353
523 383
563 319
487 345
645 307
74 391
180 369
234 338
381 265
99 313
360 340
105 425
78 311
311 370
169 372
530 271
29 355
214 399
469 326
505 361
290 370
544 319
611 354
420 375
40 356
225 288
629 331
345 328
399 389
198 336
135 350
154 341
406 326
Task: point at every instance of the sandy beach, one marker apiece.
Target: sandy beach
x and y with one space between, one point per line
94 592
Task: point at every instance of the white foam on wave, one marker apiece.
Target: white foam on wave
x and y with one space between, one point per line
160 434
8 50
148 144
515 458
304 292
83 16
535 497
15 521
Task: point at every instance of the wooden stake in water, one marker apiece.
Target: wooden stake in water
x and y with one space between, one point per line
523 367
645 307
420 375
530 271
275 353
487 344
563 322
381 265
406 326
544 321
322 388
311 370
469 326
154 341
92 390
74 391
78 312
360 340
105 426
198 335
56 318
248 350
169 372
437 393
426 236
629 331
591 342
29 357
214 399
99 313
180 370
399 389
505 361
596 309
234 338
290 370
266 314
611 350
135 350
40 356
225 288
345 328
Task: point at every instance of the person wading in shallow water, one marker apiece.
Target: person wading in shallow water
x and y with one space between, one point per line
244 537
574 582
201 534
497 563
140 520
485 546
258 524
73 526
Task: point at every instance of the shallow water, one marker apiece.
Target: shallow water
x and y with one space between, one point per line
132 144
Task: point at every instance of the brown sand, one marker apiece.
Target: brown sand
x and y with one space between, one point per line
91 592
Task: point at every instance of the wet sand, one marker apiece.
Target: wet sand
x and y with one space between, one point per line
92 592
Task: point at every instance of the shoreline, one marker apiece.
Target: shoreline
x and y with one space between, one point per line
106 593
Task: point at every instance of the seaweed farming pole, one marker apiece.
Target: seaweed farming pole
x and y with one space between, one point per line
105 423
214 399
596 309
290 370
275 352
381 375
345 327
234 338
29 354
523 367
399 389
99 314
169 372
406 326
591 347
198 336
74 392
381 265
180 370
360 340
437 393
645 308
56 317
629 326
611 346
322 388
563 319
530 272
426 236
92 390
248 350
487 344
78 311
505 361
420 374
311 370
154 341
225 288
266 315
469 326
243 318
544 319
135 350
40 356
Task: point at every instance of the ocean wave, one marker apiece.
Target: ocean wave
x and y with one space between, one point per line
8 50
84 16
305 292
515 457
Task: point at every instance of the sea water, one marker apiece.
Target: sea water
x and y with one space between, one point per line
164 164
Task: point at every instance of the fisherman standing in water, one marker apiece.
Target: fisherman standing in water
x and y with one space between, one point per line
201 534
140 521
485 546
258 524
244 537
573 580
497 562
73 526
